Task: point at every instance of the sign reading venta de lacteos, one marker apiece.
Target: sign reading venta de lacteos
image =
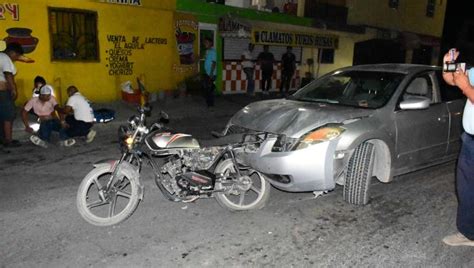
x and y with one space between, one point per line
269 37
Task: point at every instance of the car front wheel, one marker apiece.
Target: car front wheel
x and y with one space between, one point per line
359 174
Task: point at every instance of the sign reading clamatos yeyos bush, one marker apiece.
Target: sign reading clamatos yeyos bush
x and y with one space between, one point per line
266 37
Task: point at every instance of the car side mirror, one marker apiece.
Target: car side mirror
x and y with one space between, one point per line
415 103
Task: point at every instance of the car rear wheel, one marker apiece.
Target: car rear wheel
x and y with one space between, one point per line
359 174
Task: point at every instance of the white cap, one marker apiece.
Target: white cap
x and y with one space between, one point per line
46 90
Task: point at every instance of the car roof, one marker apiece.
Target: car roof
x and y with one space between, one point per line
404 68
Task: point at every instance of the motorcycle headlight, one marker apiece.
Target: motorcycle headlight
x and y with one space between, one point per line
322 134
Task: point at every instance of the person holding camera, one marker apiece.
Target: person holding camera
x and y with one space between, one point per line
210 71
455 74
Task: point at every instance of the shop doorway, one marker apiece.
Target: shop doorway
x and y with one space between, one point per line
206 30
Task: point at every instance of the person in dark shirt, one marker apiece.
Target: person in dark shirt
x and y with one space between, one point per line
288 67
266 59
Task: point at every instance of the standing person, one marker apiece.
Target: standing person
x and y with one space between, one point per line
8 92
266 59
249 67
210 71
464 80
288 68
45 107
79 116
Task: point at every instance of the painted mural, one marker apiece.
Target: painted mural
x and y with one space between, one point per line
186 31
23 37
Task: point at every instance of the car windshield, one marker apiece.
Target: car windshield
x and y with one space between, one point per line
365 89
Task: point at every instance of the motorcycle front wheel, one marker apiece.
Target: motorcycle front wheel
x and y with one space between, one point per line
250 191
102 207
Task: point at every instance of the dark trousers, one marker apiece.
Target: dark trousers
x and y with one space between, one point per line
286 81
250 82
76 128
208 88
465 187
47 127
266 81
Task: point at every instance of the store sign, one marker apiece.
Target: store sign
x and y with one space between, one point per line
230 25
10 9
268 37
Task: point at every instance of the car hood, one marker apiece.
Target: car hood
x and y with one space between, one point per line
293 118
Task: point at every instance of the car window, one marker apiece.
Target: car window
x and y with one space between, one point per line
448 92
420 86
365 89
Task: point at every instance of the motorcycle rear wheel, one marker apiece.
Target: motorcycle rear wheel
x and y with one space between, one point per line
106 208
258 191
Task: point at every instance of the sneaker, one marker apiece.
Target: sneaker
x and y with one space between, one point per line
68 142
458 239
39 142
90 136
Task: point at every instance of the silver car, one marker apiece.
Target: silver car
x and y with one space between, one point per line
354 124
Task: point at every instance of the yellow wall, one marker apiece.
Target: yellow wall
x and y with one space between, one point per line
343 55
153 63
410 15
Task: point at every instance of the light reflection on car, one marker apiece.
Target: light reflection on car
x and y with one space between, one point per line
354 124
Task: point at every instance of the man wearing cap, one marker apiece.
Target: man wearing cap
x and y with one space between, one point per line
45 106
8 92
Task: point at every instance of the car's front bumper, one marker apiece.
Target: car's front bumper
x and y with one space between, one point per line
309 169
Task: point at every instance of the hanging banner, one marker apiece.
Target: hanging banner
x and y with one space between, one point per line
186 32
282 38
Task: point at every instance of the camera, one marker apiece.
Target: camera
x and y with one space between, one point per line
451 67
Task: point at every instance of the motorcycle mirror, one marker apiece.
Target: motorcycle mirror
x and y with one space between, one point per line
147 109
164 117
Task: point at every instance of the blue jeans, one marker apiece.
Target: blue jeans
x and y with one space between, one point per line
76 128
48 126
250 82
465 187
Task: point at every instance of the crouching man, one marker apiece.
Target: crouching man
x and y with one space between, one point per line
45 106
79 116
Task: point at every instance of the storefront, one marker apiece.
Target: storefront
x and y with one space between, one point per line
97 45
237 33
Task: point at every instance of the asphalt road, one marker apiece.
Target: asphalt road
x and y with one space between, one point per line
402 226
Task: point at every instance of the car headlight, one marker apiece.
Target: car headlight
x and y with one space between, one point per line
322 134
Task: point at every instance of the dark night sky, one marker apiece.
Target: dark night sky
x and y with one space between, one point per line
458 14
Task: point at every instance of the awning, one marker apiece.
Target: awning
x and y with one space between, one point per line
279 34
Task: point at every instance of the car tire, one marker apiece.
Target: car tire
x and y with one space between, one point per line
359 174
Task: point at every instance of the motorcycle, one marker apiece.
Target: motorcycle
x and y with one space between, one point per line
184 171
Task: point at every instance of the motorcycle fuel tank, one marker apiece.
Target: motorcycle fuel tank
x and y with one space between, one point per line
165 140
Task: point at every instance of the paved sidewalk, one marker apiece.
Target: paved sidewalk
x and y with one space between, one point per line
177 108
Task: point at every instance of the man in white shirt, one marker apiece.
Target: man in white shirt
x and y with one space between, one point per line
464 80
80 116
8 92
249 66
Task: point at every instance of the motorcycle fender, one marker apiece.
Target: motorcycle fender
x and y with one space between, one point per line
127 169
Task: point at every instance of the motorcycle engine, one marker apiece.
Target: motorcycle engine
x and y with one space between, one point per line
187 174
196 182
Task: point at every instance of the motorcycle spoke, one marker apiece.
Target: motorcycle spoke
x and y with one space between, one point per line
256 190
124 194
97 184
242 197
112 206
97 203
